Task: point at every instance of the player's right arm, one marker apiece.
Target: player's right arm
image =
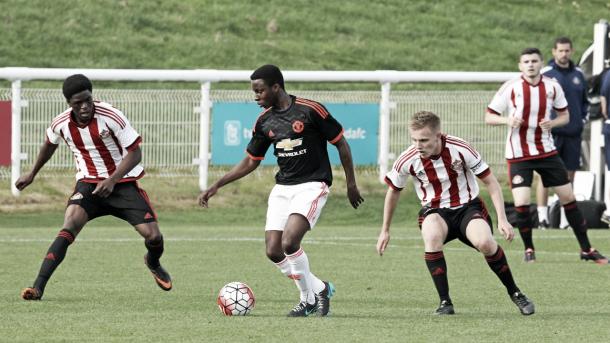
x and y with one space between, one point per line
389 205
46 152
243 168
499 104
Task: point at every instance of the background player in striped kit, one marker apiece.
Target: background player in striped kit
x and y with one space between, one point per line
443 169
107 155
528 101
298 129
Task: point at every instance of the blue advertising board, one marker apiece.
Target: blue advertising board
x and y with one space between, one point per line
232 129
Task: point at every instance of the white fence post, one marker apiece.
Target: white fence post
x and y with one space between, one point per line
384 130
600 32
15 135
204 132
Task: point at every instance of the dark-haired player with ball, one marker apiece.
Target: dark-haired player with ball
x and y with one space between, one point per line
107 154
298 129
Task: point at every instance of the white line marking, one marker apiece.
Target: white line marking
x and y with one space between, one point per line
337 241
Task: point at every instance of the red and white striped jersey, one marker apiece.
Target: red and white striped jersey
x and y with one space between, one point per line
446 180
98 147
532 103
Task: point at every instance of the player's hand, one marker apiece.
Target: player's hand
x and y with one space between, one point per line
514 122
382 242
545 124
206 195
104 188
507 230
24 181
353 194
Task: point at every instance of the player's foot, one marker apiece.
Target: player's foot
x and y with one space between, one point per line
323 298
31 293
530 255
593 255
303 309
161 276
543 225
525 305
605 218
446 307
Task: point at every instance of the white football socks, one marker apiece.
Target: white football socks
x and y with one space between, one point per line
285 268
543 214
299 272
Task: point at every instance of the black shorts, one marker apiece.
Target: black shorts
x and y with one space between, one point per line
458 219
127 201
551 169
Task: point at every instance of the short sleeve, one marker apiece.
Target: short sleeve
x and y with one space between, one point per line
500 101
398 176
560 102
328 125
127 136
259 143
476 164
396 179
52 136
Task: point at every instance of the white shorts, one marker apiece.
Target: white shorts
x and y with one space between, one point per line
306 199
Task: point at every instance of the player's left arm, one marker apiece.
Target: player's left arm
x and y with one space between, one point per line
562 119
132 159
353 194
495 192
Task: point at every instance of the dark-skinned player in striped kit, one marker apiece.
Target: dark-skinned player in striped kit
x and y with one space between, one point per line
107 154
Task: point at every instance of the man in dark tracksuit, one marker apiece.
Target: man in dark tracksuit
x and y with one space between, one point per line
567 138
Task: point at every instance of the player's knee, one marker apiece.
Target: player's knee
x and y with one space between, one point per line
153 239
290 246
486 246
523 219
274 255
68 234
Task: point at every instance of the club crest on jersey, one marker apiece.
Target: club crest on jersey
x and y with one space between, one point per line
76 196
517 179
105 133
288 144
457 165
576 80
298 126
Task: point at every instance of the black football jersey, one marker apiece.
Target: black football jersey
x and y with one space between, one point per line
299 135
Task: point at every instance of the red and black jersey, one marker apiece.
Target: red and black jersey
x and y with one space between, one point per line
299 135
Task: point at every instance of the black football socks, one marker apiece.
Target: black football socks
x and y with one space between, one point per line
55 254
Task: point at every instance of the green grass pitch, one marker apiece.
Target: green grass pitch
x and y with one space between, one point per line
103 292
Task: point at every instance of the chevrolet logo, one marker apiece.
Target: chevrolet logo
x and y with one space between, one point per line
288 144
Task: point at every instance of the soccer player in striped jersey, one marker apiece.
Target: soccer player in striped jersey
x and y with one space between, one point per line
443 169
528 101
299 130
107 154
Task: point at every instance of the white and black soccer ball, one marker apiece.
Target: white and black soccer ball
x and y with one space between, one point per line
235 299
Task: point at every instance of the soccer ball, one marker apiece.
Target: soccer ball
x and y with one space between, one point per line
235 299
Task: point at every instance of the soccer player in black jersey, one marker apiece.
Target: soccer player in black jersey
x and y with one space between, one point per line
298 129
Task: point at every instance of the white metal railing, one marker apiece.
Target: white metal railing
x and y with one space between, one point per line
384 77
